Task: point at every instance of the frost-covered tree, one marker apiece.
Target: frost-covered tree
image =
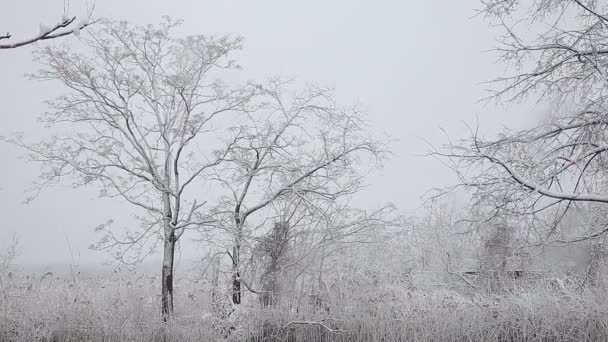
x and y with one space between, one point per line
300 145
9 252
560 164
135 118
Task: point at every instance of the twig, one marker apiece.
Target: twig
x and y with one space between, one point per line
45 35
321 324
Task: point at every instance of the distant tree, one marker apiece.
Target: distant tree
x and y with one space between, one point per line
597 260
8 254
139 106
305 244
302 146
497 251
441 243
10 250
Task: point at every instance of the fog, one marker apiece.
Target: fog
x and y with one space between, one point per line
418 67
303 171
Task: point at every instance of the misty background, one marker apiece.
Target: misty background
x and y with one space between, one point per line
418 67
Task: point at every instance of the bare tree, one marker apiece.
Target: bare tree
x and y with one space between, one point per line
132 123
303 146
64 27
8 254
560 164
305 243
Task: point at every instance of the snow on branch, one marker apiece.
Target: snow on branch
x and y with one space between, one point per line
65 27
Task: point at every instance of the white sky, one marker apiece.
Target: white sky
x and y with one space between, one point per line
417 66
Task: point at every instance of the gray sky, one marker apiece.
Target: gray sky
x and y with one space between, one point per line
417 66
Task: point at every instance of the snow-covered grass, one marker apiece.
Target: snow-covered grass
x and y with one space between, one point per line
124 307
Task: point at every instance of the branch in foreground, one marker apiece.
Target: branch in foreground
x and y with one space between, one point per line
50 33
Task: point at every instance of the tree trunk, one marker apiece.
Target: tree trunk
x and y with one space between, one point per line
597 259
270 286
167 277
236 277
215 281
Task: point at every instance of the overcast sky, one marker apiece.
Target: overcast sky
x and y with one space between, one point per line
416 65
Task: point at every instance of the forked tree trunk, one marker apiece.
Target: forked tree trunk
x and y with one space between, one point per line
167 277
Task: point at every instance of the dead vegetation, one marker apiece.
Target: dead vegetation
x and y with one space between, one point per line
67 309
